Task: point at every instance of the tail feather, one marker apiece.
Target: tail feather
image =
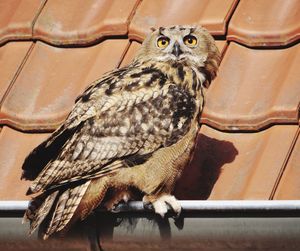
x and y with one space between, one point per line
54 210
72 204
65 207
38 209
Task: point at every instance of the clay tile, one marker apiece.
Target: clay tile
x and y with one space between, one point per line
130 54
289 185
212 14
265 22
17 146
254 90
222 45
17 18
12 56
229 166
52 78
76 23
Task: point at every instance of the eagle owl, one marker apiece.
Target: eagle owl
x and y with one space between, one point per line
132 131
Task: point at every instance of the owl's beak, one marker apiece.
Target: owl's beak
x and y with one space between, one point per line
176 49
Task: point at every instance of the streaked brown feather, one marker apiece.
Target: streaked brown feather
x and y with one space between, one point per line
117 137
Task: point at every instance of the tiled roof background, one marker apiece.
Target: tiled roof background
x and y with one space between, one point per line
248 146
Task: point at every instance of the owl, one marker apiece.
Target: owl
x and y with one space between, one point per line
128 136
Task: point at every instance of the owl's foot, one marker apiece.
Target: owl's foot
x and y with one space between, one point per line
161 204
119 196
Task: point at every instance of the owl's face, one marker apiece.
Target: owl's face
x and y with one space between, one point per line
189 44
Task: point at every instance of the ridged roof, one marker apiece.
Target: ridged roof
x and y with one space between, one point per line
248 146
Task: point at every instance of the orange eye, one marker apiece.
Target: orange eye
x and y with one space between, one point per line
190 40
163 42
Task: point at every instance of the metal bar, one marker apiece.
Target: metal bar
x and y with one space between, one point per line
222 205
190 205
12 205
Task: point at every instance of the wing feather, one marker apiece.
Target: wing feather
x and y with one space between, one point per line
117 118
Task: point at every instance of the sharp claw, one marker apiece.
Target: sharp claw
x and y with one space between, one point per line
148 206
176 215
179 222
115 210
174 204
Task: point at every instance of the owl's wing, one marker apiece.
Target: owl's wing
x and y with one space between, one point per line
118 122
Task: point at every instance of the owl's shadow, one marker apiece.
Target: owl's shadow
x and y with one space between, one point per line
199 177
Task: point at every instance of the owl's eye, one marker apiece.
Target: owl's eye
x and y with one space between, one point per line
163 42
190 40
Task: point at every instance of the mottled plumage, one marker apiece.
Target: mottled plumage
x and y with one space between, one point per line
132 130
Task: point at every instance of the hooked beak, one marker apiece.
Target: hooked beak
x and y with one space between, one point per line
176 49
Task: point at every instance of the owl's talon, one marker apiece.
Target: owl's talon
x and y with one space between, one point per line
115 209
174 204
162 204
147 204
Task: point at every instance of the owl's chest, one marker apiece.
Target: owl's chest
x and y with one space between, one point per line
166 164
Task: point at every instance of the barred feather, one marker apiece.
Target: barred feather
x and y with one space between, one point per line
65 207
38 210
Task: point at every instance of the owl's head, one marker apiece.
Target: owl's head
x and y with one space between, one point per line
191 44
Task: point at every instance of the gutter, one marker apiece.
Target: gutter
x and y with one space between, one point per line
204 225
17 208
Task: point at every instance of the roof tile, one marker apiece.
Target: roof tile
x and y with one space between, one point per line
212 14
222 45
130 54
51 79
17 18
236 165
265 22
14 147
253 90
289 186
12 56
75 23
258 165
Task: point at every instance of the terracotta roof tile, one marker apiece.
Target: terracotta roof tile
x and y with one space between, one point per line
212 14
265 22
14 147
289 186
222 45
12 56
76 23
52 78
237 165
258 165
253 89
132 50
17 18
